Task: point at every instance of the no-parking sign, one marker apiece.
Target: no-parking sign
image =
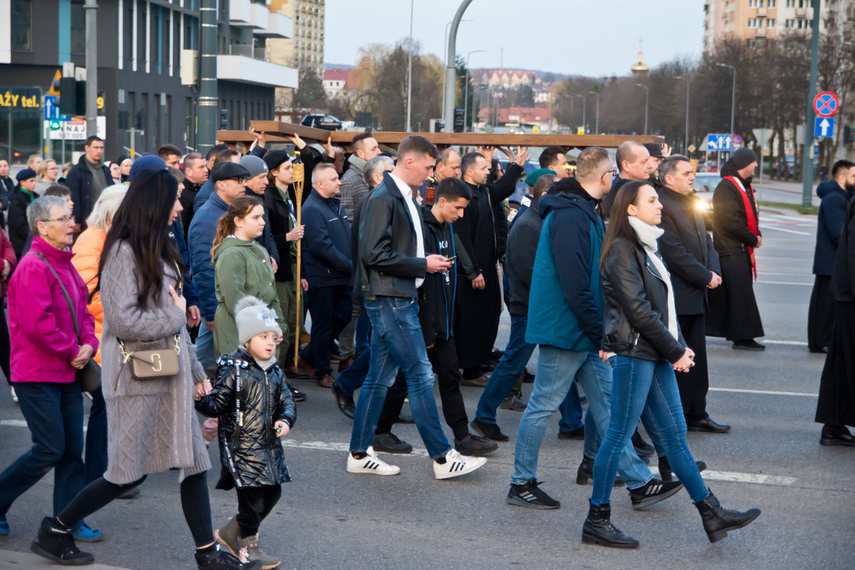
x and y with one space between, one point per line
825 104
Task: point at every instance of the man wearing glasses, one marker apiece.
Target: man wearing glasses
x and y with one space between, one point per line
565 318
229 181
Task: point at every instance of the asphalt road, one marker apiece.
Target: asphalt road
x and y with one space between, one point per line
330 519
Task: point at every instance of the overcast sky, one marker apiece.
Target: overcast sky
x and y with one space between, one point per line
575 37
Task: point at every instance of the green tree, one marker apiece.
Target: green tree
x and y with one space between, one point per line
310 91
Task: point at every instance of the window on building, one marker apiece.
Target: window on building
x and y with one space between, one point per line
772 3
21 24
753 23
789 24
791 3
770 23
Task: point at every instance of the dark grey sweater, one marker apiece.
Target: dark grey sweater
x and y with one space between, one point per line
519 259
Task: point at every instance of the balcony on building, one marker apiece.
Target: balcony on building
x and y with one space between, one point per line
801 12
278 26
248 64
249 14
761 12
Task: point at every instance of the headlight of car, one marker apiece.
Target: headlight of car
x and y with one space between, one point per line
703 206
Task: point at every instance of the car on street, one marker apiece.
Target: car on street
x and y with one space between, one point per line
326 122
703 188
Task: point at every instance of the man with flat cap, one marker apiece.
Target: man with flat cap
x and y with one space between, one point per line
733 312
229 180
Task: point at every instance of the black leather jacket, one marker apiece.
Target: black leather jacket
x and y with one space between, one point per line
251 454
387 264
636 306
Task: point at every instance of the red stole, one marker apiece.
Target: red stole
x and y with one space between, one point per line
749 214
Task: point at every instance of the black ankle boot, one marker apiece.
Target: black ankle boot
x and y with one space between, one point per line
586 471
221 560
665 472
598 530
56 543
718 521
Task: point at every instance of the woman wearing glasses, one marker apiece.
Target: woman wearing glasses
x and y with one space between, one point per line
47 351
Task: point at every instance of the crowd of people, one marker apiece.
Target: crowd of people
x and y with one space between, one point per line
177 275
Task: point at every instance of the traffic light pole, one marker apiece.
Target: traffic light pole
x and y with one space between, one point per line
91 8
206 110
807 157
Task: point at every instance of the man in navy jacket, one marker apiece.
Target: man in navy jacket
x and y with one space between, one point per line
329 269
835 194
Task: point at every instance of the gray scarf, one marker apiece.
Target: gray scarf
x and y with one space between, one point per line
648 235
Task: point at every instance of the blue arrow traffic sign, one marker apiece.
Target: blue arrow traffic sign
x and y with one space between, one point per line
719 143
51 108
823 127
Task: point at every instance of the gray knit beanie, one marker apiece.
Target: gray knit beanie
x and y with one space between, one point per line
253 317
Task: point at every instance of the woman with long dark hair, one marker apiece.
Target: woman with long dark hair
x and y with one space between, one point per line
642 333
152 423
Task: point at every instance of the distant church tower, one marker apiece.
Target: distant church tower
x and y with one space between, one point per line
639 70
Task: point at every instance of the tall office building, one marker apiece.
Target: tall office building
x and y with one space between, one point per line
305 48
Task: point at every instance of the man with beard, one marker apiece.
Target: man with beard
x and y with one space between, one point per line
733 312
835 194
479 302
195 174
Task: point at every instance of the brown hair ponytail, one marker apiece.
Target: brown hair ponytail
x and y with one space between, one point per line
239 208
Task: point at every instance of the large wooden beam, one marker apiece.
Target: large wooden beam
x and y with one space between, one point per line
276 132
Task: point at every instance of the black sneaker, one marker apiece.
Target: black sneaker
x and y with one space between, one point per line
297 395
572 434
653 492
221 560
490 431
530 496
642 448
57 544
389 443
474 445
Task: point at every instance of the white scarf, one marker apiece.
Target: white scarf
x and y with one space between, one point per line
648 235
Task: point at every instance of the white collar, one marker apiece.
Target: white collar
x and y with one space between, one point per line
402 186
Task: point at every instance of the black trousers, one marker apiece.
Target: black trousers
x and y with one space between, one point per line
392 405
695 383
443 358
194 502
254 504
331 308
5 345
820 313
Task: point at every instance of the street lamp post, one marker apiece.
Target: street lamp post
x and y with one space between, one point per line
686 142
444 54
448 112
466 88
597 119
646 101
732 101
410 75
584 128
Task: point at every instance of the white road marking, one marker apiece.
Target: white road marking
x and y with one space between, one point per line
422 453
763 392
785 283
787 342
768 227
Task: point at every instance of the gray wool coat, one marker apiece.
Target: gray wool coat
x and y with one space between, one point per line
152 424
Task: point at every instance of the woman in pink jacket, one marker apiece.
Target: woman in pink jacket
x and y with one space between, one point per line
46 354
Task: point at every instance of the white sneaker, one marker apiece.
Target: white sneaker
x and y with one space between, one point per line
456 465
370 464
14 395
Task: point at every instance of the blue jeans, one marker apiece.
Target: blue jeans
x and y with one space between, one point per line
353 377
639 383
397 342
205 346
363 334
507 372
54 414
556 369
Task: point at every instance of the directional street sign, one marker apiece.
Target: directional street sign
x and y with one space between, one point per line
825 104
824 127
719 143
51 108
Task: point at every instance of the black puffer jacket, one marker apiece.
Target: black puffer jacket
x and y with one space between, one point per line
636 307
251 454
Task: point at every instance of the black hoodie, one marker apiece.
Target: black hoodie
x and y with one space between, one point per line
436 295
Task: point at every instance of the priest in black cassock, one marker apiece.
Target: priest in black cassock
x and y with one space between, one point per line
479 303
